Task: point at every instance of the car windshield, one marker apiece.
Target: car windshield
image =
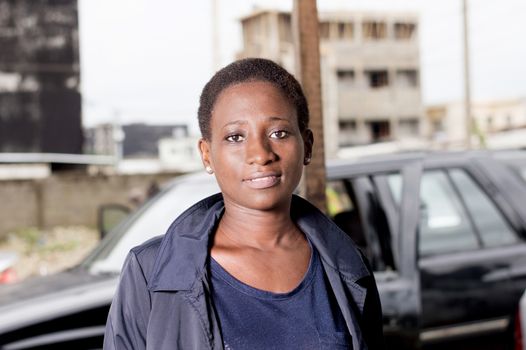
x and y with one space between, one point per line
150 220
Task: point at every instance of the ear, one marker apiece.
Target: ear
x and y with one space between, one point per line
204 149
308 142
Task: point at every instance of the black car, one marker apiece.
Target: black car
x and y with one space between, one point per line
451 266
444 232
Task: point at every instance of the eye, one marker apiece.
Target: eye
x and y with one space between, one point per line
279 134
234 138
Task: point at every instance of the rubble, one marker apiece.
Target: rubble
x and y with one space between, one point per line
44 252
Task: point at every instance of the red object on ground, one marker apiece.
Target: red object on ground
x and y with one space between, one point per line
8 276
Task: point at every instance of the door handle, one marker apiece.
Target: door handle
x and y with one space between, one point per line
505 274
497 275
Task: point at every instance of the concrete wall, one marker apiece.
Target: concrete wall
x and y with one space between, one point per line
70 199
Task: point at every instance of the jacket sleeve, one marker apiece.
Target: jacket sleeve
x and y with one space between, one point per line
129 311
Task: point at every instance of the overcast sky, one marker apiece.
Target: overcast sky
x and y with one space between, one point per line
147 60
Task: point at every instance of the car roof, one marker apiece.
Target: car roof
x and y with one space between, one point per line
395 161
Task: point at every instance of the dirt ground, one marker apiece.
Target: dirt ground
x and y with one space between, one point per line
43 252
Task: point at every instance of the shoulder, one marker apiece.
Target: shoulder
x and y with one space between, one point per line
172 261
143 256
185 224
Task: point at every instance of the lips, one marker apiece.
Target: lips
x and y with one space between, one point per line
262 181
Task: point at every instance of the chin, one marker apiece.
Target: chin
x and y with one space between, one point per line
265 202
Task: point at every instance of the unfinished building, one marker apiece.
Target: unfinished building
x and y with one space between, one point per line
370 69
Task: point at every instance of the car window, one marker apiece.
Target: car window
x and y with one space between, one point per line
491 225
395 183
152 221
338 199
444 223
353 205
343 212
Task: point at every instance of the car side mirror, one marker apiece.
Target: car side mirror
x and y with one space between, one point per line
109 216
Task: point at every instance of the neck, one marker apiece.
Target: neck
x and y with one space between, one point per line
256 228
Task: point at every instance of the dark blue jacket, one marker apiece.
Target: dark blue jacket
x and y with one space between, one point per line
163 299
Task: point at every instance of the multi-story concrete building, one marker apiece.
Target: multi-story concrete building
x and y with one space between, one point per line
40 103
370 71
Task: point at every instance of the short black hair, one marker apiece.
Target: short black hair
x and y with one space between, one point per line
246 70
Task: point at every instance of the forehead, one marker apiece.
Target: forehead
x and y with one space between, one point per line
252 99
252 87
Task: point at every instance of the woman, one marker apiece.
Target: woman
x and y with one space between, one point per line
254 267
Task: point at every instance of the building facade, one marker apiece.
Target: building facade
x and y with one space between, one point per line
40 102
491 119
370 69
136 140
180 153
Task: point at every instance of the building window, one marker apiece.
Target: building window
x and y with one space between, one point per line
347 125
346 78
407 78
373 30
285 28
347 135
404 31
345 30
489 123
408 127
380 130
377 78
325 30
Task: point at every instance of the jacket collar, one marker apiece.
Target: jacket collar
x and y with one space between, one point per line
335 246
184 249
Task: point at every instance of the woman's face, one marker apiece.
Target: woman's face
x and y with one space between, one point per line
256 148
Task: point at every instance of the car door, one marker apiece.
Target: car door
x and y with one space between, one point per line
390 247
399 289
464 249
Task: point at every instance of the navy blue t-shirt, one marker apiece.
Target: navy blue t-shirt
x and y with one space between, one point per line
307 317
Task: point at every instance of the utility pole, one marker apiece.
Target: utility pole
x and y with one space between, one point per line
467 89
118 138
216 61
307 46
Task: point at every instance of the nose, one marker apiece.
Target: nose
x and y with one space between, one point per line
259 151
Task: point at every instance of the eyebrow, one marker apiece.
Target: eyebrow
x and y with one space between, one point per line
235 122
241 122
